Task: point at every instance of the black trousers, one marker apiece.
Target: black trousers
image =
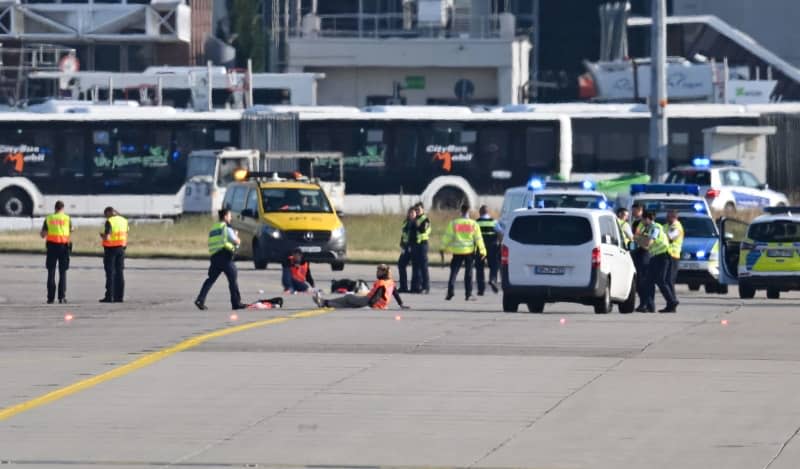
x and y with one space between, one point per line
658 275
402 268
420 277
114 265
493 262
57 257
222 263
641 260
455 266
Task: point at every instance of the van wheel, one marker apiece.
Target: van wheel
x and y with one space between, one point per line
629 304
337 266
722 289
694 286
510 303
711 288
746 292
773 293
603 304
15 203
259 260
536 306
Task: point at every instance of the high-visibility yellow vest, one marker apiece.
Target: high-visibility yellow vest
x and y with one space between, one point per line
661 242
218 239
463 236
424 235
404 233
622 225
119 232
676 244
58 228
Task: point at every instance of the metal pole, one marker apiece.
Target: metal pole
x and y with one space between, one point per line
658 92
249 78
160 91
536 48
210 87
360 14
110 90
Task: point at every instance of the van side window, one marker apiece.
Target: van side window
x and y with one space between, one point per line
252 201
609 230
238 198
228 200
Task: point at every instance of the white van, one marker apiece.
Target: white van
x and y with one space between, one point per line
571 255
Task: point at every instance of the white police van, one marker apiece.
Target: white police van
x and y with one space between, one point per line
566 255
551 194
726 186
665 197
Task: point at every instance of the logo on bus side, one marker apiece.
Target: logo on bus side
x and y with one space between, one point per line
449 153
18 155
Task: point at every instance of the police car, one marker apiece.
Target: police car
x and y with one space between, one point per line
726 186
769 254
699 261
551 194
665 197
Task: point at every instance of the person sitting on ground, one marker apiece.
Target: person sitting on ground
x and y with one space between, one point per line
378 297
296 273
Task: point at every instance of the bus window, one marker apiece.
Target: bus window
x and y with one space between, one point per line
71 155
540 149
406 145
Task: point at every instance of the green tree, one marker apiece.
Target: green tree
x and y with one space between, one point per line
250 39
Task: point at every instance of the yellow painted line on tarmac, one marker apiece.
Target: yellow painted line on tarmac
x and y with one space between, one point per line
147 360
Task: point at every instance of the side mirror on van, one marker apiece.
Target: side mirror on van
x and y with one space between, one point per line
339 213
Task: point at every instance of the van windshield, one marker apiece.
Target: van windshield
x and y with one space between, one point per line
295 200
567 201
779 231
561 230
201 166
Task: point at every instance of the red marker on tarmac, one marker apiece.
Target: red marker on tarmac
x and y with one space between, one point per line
234 317
398 318
562 321
724 322
68 317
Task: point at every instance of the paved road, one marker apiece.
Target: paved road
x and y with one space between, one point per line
445 384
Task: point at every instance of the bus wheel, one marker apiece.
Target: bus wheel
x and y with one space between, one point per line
449 198
15 203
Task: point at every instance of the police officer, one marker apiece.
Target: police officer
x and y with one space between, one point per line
624 226
114 239
654 239
487 226
640 255
56 231
463 240
222 242
675 234
408 237
420 277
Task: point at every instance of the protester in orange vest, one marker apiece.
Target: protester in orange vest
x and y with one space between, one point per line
296 273
378 297
115 239
56 231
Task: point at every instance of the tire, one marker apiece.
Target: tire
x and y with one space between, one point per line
337 266
773 293
629 304
730 209
510 304
722 289
259 261
694 286
711 288
536 306
15 203
603 305
449 198
746 291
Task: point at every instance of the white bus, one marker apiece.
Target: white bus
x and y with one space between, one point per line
92 156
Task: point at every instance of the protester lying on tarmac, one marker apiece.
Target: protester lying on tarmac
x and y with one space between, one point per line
378 297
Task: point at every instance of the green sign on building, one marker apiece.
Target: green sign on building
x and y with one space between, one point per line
415 82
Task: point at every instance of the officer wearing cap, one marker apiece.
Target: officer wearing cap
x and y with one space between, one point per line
420 277
654 239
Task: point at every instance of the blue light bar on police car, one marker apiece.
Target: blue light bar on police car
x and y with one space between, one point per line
580 185
706 162
682 189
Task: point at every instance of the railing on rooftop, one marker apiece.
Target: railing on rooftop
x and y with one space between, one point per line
398 25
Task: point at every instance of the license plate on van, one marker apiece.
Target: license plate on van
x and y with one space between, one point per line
311 248
549 270
780 252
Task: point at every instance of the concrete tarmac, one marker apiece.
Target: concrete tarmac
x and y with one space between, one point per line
445 384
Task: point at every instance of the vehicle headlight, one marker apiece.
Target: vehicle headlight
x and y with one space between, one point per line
272 232
700 255
338 232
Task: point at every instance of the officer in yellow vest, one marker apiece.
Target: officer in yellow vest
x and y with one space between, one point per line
487 225
463 240
408 236
56 232
675 234
654 239
115 239
420 276
222 243
624 226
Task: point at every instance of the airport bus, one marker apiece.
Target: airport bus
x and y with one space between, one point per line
92 156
